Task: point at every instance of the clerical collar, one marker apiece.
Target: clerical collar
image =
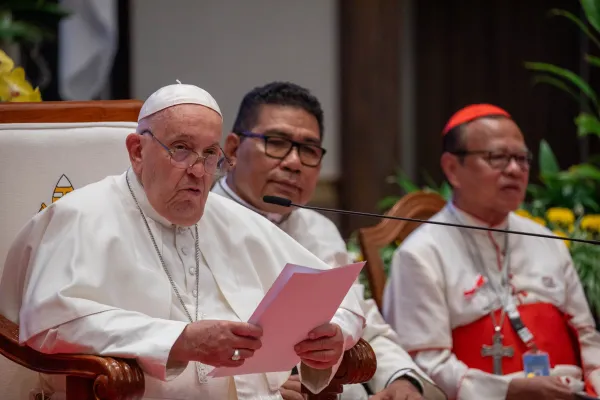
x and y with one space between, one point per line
273 217
472 220
140 195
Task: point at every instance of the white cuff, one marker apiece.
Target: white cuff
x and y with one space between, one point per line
406 372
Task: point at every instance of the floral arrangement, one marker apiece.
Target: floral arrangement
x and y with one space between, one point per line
13 85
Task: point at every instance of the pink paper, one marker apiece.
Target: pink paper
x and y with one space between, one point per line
300 300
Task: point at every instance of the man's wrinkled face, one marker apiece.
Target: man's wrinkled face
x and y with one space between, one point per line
178 194
494 173
256 174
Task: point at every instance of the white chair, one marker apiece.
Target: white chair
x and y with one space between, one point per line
47 150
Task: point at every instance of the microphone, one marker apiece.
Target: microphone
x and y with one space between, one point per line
280 201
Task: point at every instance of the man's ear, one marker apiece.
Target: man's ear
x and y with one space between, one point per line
232 143
133 142
450 165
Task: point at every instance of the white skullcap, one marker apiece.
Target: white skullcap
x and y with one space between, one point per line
179 93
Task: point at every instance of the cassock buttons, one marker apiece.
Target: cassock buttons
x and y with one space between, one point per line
192 270
195 293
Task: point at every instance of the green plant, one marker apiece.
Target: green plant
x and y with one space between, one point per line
588 120
576 188
27 20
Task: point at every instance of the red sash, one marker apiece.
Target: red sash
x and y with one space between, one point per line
549 326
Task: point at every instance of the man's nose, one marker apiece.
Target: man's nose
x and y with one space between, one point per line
514 168
197 169
292 160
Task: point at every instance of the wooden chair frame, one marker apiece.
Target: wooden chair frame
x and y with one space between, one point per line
92 377
420 205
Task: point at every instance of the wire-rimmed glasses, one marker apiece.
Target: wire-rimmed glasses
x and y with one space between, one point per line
183 157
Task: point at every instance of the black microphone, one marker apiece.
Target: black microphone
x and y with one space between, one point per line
280 201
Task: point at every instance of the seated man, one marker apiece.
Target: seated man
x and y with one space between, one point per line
490 315
276 149
150 265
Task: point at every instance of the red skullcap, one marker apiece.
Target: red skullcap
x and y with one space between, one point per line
473 112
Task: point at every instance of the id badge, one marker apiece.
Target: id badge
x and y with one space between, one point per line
536 364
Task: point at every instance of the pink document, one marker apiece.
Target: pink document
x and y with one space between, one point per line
300 300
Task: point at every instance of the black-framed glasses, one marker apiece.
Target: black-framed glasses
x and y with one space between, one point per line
183 157
279 147
499 159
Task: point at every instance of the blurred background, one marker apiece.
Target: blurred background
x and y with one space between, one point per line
389 73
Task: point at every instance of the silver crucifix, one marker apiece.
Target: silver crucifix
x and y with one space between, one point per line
497 351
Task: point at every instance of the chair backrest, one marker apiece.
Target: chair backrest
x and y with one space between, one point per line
48 149
419 205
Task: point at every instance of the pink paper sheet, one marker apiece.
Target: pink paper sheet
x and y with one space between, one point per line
300 300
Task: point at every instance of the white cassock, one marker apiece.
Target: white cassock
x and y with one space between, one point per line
440 300
90 281
321 237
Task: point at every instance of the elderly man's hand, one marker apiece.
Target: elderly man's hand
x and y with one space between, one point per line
400 389
323 347
292 389
214 343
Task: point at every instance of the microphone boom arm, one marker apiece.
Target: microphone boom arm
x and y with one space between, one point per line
280 201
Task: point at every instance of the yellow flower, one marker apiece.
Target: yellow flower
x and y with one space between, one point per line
14 87
359 258
539 220
591 222
6 63
561 216
523 213
562 234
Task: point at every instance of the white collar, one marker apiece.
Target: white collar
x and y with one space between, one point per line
142 199
273 217
471 220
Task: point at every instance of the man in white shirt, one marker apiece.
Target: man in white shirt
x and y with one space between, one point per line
275 146
150 265
481 311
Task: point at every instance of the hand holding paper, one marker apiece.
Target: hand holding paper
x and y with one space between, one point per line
323 348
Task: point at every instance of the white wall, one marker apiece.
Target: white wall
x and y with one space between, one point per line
230 46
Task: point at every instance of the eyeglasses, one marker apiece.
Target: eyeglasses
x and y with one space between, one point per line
500 160
182 157
279 147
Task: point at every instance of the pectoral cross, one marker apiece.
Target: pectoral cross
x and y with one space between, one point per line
497 351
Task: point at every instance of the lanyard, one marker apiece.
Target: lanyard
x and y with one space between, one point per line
506 299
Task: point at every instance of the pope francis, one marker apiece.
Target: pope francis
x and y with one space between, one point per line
150 265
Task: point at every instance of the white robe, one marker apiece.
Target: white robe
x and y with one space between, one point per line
83 276
432 290
321 237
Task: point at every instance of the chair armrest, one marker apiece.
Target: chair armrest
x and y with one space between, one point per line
112 378
358 366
